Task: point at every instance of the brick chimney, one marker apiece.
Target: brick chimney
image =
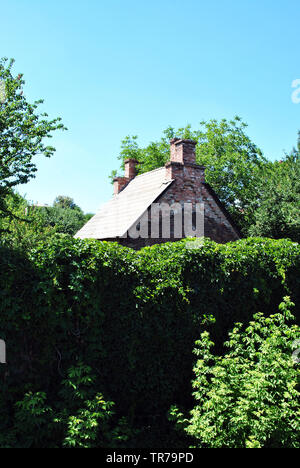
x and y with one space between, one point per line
130 173
130 168
182 164
183 151
119 183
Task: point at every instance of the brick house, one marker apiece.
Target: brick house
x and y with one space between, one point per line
173 190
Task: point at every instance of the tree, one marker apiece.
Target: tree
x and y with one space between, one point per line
29 224
64 220
63 201
25 226
66 215
233 162
276 211
22 134
248 398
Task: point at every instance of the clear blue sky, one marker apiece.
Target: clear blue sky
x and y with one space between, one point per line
111 68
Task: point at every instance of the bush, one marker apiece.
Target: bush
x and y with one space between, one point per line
248 398
132 317
78 419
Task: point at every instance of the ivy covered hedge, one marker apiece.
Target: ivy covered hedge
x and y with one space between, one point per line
131 317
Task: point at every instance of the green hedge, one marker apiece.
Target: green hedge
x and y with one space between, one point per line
133 317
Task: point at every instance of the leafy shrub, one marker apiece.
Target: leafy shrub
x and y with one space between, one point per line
249 397
132 317
78 418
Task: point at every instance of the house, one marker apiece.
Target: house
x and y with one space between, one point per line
162 205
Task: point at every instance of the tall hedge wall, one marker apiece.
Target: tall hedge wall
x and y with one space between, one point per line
131 316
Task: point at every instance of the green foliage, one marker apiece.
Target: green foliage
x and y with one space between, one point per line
84 416
26 226
233 162
79 418
22 134
65 202
249 397
65 220
29 224
32 424
276 212
131 317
